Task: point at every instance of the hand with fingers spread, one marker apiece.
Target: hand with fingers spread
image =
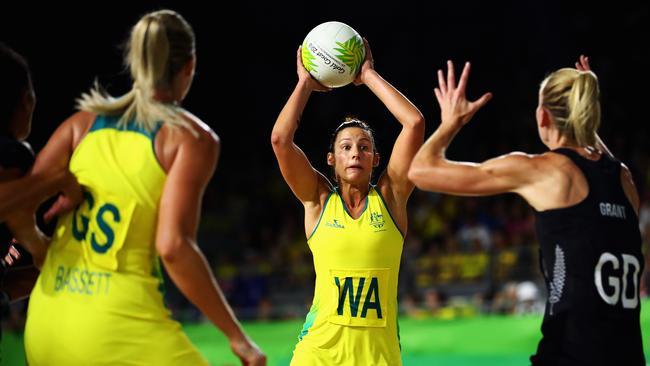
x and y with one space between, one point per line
583 63
553 183
368 65
305 76
455 109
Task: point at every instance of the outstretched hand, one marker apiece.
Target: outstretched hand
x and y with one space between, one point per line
305 76
583 63
454 106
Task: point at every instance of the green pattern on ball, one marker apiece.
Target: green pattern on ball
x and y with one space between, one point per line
351 53
308 58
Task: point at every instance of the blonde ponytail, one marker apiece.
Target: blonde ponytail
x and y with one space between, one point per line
572 98
585 108
161 43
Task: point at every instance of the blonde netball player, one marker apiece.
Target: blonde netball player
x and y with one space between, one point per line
585 205
144 163
355 230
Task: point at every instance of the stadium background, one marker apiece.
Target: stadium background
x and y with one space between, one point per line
470 290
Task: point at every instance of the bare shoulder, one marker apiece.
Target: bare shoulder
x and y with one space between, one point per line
517 163
197 140
626 173
515 157
78 124
81 119
200 130
534 175
558 169
550 159
384 187
525 158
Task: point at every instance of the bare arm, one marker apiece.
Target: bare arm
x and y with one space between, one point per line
307 184
432 171
28 192
296 169
395 184
49 176
178 219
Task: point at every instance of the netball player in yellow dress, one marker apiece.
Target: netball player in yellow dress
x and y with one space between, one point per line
144 163
355 230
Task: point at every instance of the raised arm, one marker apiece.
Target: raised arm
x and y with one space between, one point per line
394 183
307 184
433 172
180 205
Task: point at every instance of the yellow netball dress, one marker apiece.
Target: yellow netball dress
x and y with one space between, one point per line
353 317
98 299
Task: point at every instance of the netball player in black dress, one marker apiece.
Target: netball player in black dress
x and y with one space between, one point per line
586 208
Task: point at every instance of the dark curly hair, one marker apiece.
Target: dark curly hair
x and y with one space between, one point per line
16 79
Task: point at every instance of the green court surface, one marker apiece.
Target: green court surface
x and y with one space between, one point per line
480 340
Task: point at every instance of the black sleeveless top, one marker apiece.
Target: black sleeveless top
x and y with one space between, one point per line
13 154
592 262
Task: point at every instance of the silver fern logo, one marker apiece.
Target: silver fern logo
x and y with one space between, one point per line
559 276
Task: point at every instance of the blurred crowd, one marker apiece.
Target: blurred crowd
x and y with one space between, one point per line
461 256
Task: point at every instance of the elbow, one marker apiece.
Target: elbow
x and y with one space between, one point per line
415 174
281 143
416 122
278 140
422 174
170 249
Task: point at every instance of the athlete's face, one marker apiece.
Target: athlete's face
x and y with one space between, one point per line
354 155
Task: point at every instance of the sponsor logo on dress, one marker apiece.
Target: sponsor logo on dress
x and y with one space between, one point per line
335 224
